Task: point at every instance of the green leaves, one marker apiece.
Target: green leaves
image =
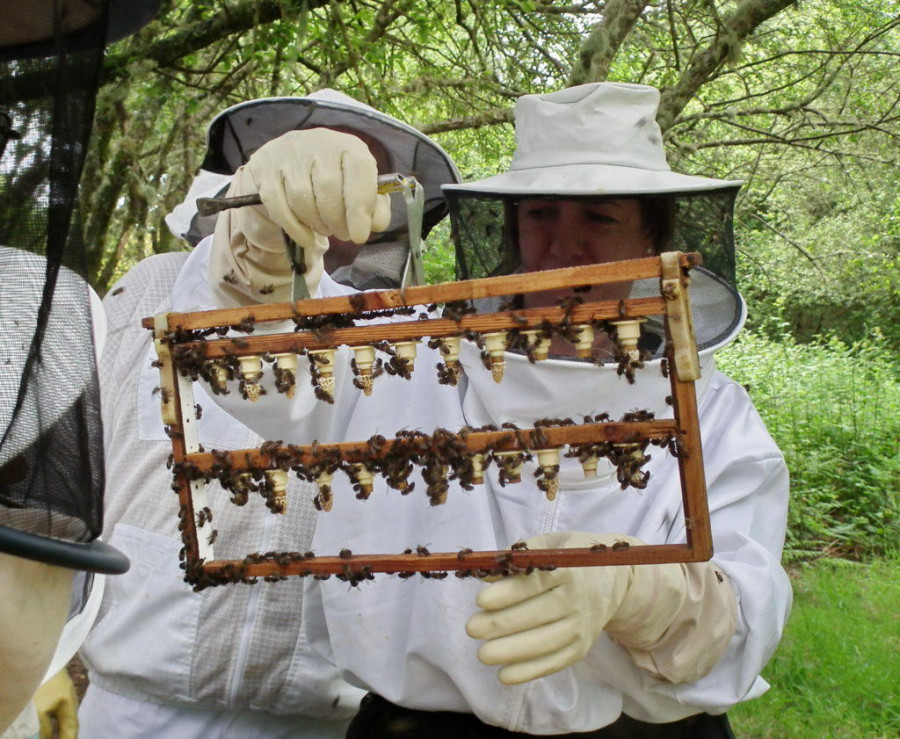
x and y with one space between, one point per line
834 409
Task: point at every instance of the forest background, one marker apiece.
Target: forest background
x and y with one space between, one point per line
799 98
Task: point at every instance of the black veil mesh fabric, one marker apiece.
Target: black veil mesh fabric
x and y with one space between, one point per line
485 241
51 442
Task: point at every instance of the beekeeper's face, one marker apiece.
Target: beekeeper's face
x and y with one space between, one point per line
572 233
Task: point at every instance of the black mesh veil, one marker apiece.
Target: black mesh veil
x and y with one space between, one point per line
51 442
484 235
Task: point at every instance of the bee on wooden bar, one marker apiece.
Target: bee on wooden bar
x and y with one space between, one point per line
164 394
204 515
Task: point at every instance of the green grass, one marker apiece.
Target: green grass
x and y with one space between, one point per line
836 671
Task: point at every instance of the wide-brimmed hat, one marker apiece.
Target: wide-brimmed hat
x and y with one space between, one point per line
602 140
240 130
33 29
595 139
235 133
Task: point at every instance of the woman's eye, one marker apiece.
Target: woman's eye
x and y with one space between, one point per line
598 217
539 213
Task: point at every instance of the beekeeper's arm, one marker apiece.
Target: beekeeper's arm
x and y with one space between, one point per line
313 184
676 620
33 611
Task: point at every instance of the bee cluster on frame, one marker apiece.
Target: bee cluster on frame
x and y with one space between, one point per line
381 332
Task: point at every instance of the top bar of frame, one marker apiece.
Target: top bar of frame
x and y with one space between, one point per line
595 274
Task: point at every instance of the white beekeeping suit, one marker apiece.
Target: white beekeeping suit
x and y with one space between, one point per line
655 644
163 660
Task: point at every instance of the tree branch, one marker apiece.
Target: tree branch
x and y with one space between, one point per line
798 247
602 44
736 27
486 118
233 17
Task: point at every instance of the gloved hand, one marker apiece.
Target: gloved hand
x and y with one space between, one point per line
675 620
314 184
57 699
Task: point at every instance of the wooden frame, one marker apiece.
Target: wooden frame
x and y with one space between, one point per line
186 345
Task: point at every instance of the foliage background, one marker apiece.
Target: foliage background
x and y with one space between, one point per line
799 99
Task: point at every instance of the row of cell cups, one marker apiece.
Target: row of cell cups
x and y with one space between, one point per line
511 463
495 345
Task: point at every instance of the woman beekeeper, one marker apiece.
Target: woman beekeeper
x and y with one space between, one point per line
645 651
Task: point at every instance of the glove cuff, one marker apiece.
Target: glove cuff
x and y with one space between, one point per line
653 600
676 620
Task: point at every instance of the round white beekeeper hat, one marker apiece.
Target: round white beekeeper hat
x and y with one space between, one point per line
600 138
235 133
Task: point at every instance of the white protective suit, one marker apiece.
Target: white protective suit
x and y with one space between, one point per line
165 661
38 597
406 639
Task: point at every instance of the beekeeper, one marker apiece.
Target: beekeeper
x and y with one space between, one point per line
51 479
164 660
639 651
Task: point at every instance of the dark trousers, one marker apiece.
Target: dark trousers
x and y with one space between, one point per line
379 719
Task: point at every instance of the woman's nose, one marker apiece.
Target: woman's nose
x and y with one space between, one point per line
567 244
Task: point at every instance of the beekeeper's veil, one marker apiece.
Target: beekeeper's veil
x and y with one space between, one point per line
601 140
51 442
240 130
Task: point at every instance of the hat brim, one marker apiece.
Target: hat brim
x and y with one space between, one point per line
243 128
125 17
239 131
93 556
591 179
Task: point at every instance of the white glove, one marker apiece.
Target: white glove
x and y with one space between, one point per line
57 700
675 620
314 184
